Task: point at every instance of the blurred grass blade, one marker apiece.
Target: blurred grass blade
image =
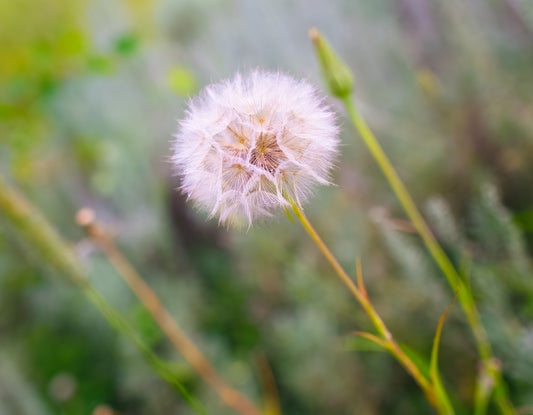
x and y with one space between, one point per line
464 269
360 281
374 339
36 230
271 404
484 387
55 251
160 366
434 373
177 336
448 269
367 342
418 359
355 343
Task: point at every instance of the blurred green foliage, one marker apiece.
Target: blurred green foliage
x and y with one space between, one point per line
89 96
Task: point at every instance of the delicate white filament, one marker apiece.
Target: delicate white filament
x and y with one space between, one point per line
249 145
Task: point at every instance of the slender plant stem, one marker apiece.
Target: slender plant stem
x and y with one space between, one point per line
170 327
380 326
118 322
56 252
37 232
483 390
465 295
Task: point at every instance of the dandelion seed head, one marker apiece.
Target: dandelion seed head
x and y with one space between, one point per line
252 144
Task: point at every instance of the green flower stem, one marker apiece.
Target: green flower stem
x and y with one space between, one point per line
360 294
466 299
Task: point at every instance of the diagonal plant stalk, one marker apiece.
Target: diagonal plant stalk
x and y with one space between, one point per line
465 294
439 400
161 367
37 232
168 324
340 82
434 373
271 403
56 252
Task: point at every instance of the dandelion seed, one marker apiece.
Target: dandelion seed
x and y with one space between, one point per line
249 145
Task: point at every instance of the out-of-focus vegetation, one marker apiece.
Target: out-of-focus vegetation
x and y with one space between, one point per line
89 96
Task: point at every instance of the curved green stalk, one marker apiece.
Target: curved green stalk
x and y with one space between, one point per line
435 394
335 70
466 299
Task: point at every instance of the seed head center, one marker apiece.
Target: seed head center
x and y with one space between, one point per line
267 154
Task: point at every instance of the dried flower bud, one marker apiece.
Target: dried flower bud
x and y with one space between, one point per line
252 144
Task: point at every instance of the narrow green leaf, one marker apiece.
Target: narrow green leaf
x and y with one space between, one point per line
363 341
40 235
417 358
484 387
465 267
434 373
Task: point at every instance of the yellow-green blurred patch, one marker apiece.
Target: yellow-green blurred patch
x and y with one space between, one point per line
181 81
101 64
71 42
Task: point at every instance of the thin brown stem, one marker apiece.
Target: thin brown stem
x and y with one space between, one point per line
230 396
363 299
55 251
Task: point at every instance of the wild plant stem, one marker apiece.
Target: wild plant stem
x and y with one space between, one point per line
120 324
56 252
230 396
380 326
465 295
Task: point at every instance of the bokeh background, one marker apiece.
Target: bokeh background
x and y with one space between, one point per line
90 94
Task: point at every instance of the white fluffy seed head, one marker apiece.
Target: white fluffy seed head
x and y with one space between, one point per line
251 144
